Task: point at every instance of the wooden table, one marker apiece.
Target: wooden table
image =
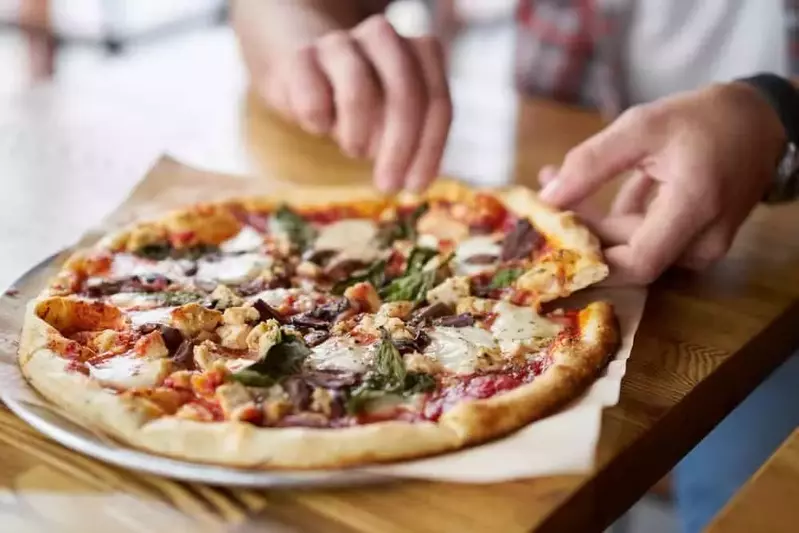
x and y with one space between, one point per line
705 341
767 503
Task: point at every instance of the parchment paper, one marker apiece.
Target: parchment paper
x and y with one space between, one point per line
560 444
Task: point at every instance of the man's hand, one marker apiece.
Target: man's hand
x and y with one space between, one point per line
378 94
700 162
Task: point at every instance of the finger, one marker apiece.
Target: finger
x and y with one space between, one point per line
599 159
274 92
404 96
547 174
310 94
355 91
709 247
589 213
671 223
633 194
614 230
438 117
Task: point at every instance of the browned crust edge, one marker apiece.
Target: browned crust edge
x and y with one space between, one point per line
238 444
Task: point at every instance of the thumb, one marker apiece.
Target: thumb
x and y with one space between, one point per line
596 161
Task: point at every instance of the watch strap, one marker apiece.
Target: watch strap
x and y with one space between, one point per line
783 98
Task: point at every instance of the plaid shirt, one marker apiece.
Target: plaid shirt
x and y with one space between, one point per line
571 50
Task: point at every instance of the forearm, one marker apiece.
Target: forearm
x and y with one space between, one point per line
268 29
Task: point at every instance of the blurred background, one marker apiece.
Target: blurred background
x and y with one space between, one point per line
130 47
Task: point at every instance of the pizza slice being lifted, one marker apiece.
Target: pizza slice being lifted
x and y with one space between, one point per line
269 333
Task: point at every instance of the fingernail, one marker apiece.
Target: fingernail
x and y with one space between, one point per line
547 174
549 190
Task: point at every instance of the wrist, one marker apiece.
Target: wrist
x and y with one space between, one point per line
782 98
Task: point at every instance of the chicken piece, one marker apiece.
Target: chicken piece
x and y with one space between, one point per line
234 336
263 337
224 297
240 315
363 296
193 318
450 291
151 346
232 397
475 306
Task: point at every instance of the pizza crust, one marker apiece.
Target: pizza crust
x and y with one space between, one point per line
133 421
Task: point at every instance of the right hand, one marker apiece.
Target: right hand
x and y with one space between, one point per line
379 95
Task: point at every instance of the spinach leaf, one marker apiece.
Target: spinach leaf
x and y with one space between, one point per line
504 278
418 258
164 250
389 376
155 251
375 274
251 378
283 359
415 283
300 232
177 297
412 288
404 228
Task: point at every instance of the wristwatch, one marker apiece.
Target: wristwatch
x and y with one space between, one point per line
784 98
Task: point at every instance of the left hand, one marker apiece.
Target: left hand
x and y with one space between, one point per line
700 162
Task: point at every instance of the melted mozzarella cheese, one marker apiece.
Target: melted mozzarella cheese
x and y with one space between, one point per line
234 365
127 300
351 238
516 325
427 241
128 371
247 240
458 349
274 297
473 246
161 315
232 269
339 354
130 265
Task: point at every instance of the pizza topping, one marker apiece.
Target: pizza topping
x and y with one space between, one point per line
153 282
520 241
246 240
284 356
263 337
158 316
241 315
426 314
516 327
184 355
299 231
233 398
450 291
417 343
352 239
363 296
338 353
223 297
193 318
299 392
388 376
130 371
374 274
172 337
232 269
404 227
455 321
462 349
472 254
316 337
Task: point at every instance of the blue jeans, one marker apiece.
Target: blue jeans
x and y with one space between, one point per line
719 465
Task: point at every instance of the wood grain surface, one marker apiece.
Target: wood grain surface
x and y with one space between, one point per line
705 341
768 501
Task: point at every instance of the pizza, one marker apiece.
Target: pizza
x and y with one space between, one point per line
321 330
